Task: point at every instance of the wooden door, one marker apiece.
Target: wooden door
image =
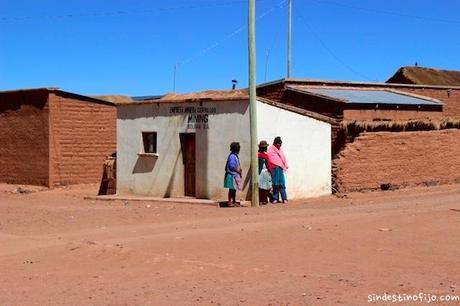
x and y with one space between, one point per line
189 160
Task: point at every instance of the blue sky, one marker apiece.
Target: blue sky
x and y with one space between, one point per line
131 47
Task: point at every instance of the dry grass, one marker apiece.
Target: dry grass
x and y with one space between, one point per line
426 76
354 128
209 94
349 130
117 99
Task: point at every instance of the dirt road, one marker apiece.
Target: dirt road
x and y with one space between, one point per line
58 249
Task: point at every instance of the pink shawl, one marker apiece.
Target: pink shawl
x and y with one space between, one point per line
277 158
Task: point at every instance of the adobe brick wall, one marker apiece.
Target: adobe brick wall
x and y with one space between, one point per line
82 134
400 159
272 92
451 98
369 115
24 138
321 106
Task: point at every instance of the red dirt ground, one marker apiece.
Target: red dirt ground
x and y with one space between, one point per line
58 249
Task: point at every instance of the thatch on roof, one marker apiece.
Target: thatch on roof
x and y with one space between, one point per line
350 129
117 99
209 95
425 76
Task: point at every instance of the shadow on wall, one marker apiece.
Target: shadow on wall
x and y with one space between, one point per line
132 111
202 159
169 188
144 164
14 101
128 112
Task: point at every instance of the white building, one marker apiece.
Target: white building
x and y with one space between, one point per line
177 146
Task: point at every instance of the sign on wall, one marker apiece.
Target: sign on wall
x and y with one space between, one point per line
197 117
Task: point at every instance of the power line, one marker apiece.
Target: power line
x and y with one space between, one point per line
232 34
329 50
216 44
386 12
118 13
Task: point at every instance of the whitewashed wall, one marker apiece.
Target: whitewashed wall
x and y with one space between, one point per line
307 146
306 142
163 176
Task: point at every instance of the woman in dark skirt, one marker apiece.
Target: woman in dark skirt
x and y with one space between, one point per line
233 172
279 166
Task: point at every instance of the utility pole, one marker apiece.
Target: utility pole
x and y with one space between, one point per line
253 103
289 46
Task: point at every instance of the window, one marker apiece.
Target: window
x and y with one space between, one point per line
150 142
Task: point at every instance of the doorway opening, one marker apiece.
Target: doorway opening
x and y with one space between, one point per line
187 143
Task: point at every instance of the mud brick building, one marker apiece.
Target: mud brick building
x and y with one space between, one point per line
382 153
50 137
366 101
425 76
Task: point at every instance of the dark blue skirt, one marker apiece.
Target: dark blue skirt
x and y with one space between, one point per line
278 177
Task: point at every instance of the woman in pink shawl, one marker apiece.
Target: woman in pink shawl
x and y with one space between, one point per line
278 167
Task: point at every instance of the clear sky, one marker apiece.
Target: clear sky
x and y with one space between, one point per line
132 46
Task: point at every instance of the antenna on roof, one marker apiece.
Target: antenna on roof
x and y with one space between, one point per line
234 82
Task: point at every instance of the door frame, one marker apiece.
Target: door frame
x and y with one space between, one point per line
185 138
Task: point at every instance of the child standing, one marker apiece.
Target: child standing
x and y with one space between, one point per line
265 178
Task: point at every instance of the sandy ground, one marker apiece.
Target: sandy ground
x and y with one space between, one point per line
58 249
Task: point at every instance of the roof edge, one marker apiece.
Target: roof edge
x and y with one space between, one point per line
330 98
415 96
59 91
350 83
83 97
283 80
223 99
306 92
299 111
30 89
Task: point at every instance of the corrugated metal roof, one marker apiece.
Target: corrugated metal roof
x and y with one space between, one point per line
367 96
145 98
